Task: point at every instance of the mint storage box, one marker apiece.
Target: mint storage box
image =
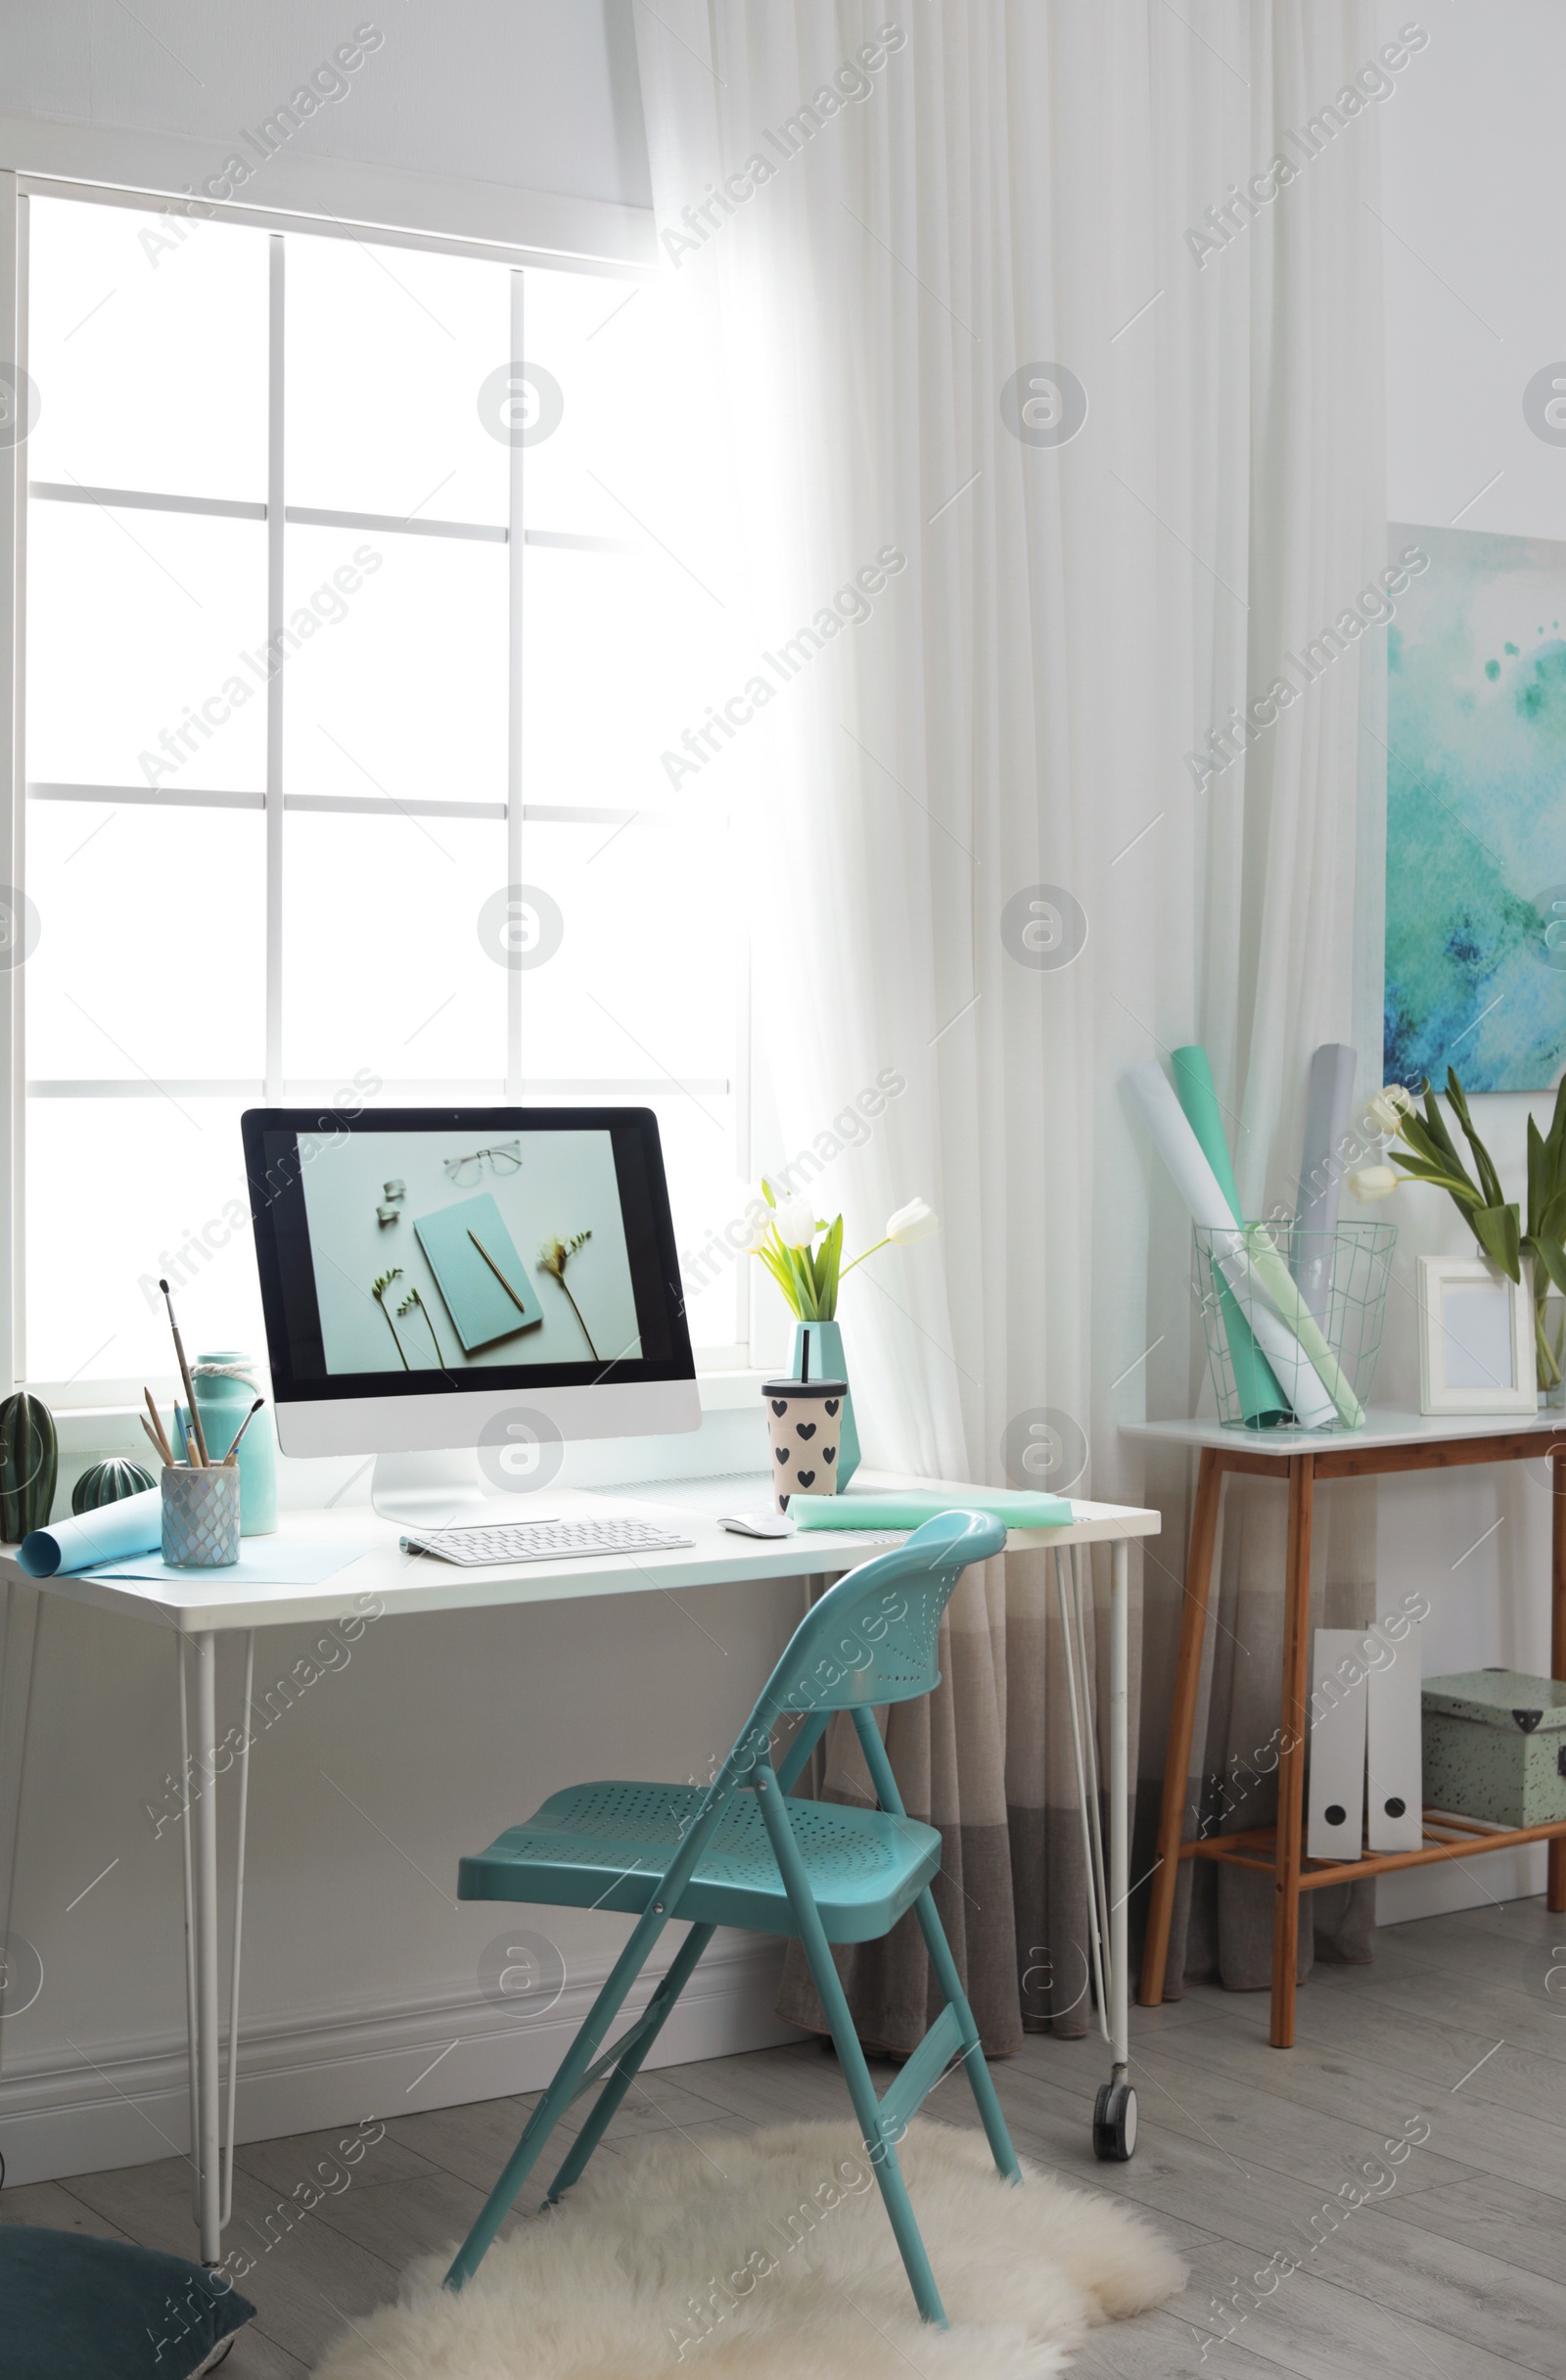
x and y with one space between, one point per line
1494 1747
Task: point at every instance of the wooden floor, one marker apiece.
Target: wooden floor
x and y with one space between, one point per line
1457 2272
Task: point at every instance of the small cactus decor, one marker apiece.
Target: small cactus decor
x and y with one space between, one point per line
108 1483
28 1465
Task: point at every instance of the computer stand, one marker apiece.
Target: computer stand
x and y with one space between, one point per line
432 1490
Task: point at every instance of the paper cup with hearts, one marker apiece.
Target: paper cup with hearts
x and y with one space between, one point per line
802 1423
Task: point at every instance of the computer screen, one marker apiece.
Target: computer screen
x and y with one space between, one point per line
421 1251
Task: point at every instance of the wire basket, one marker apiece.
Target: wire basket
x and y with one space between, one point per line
1293 1320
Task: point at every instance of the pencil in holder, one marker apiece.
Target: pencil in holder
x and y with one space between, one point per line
201 1516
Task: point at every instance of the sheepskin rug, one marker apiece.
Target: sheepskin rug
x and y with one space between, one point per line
768 2255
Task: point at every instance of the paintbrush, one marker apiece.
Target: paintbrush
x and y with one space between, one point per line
194 1435
243 1428
495 1269
155 1428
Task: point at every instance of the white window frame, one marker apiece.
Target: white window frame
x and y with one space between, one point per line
614 243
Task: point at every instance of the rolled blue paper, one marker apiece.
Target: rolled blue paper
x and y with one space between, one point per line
906 1508
133 1525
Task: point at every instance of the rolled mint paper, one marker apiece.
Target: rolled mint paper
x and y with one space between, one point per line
906 1508
1209 1209
1326 1124
1278 1284
133 1525
1263 1402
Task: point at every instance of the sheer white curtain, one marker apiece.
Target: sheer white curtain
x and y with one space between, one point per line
912 241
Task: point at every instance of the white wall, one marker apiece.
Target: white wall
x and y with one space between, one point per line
529 94
359 1970
1475 262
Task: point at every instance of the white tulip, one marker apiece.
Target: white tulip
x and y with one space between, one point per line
1373 1182
755 1223
912 1222
1388 1107
796 1221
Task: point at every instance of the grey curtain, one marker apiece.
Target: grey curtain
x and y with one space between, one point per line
988 1761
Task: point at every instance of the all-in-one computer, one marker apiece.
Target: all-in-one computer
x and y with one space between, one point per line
497 1279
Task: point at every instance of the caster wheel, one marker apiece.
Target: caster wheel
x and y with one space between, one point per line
1115 2123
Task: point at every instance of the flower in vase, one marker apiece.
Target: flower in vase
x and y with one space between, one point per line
1373 1182
794 1219
912 1222
1388 1107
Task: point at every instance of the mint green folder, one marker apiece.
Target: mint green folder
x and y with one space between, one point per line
906 1508
1262 1401
478 1272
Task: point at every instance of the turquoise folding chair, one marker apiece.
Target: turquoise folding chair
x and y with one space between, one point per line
743 1854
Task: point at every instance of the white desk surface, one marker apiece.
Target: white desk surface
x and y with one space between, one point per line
414 1582
1385 1426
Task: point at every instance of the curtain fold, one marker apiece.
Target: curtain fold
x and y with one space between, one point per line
1042 464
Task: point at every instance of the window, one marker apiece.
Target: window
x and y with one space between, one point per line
338 631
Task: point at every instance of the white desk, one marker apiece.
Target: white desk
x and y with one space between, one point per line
199 1608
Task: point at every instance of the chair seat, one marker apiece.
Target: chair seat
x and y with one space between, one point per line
605 1846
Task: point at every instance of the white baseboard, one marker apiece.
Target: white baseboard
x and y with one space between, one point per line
1460 1884
128 2106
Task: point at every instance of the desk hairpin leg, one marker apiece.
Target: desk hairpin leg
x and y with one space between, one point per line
1115 2107
212 2164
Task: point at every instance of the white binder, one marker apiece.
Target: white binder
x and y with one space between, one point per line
1338 1675
1393 1720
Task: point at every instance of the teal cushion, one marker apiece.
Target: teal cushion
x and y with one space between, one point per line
81 2309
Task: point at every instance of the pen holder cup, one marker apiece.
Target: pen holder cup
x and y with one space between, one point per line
803 1421
200 1516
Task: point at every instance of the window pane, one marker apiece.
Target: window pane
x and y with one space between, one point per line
143 635
618 661
389 352
121 1190
151 952
643 981
402 691
383 965
147 341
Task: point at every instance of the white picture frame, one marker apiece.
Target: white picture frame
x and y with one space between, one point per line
1476 1338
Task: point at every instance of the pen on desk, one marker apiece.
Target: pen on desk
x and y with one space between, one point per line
243 1428
495 1269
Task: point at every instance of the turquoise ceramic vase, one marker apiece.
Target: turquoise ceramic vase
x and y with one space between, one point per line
825 1342
227 1384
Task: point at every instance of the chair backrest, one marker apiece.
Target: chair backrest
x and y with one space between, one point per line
873 1637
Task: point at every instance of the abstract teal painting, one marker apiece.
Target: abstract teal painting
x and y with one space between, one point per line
1476 813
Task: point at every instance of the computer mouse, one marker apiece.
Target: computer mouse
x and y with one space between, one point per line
758 1524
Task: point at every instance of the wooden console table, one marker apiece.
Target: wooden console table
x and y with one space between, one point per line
1390 1442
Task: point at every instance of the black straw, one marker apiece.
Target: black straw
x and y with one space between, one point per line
804 1359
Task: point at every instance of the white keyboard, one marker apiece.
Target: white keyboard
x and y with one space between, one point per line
475 1542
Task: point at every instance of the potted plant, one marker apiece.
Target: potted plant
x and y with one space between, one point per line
1430 1154
803 1255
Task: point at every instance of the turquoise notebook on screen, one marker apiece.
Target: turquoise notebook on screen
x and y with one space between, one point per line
478 1272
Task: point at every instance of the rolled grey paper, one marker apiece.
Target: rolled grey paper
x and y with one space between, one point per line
1326 1122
